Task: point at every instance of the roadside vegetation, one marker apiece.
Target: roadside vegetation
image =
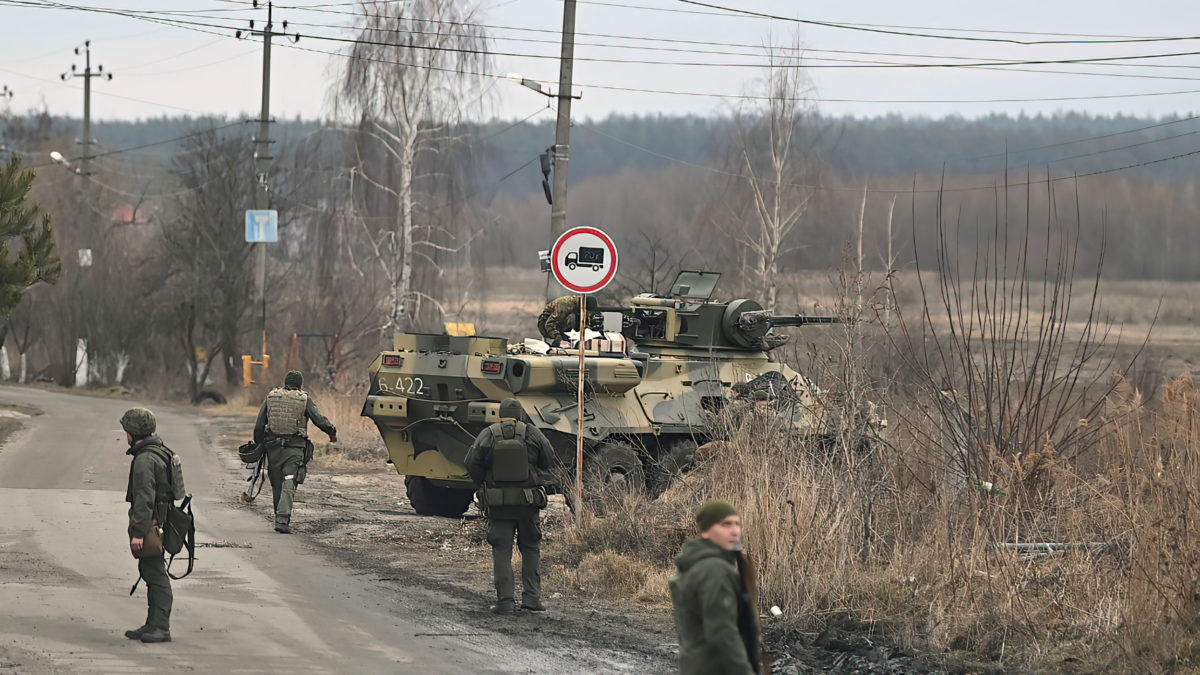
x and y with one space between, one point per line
1031 505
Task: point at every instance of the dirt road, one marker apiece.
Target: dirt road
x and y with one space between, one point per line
257 602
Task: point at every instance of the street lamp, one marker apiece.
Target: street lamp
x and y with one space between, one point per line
57 158
531 84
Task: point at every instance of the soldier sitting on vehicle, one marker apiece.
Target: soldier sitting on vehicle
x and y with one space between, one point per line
561 315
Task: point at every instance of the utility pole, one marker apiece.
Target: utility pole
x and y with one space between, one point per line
87 75
262 161
6 95
85 173
562 129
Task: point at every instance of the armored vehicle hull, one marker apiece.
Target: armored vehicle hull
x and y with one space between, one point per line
648 405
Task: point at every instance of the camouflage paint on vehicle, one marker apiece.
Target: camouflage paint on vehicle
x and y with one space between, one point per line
432 394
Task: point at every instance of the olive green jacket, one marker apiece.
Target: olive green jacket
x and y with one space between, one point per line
705 592
311 411
149 489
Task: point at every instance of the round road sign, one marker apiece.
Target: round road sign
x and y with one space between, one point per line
584 260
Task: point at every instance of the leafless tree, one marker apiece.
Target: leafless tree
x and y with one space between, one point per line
774 156
652 264
204 269
1012 374
413 69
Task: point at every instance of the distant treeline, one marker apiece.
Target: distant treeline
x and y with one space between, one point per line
676 185
878 147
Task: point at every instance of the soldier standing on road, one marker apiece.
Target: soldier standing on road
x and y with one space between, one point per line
505 459
148 494
283 426
715 616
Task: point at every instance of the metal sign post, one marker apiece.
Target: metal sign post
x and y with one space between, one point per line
262 226
583 260
579 409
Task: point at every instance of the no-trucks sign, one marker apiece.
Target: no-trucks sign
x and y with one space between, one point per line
584 260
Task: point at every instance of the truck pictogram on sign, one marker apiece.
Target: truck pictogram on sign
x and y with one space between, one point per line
586 255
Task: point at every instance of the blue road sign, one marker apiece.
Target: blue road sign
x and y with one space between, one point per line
262 226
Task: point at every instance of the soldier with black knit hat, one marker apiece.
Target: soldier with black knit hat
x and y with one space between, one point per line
283 426
715 613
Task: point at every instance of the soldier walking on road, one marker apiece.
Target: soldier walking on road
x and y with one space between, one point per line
715 613
149 495
282 426
505 460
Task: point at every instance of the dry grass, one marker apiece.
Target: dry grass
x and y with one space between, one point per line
358 439
860 541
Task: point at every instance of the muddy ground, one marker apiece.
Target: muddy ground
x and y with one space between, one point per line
355 512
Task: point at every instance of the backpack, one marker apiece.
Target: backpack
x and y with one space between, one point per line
180 529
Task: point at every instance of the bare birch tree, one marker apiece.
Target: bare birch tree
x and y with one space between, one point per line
413 69
774 155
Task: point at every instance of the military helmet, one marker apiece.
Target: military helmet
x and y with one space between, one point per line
511 408
139 422
293 380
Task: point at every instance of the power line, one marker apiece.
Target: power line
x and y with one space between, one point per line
164 59
776 47
802 57
904 33
732 44
59 83
1125 147
186 24
793 63
152 144
1073 142
742 176
227 59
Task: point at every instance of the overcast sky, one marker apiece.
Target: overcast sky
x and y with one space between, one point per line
169 70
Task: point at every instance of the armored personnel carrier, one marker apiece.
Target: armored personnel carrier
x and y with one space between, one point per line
651 391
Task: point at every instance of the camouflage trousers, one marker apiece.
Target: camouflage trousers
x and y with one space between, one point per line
283 463
528 531
158 592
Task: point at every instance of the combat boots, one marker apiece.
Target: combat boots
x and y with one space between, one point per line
504 608
137 633
156 635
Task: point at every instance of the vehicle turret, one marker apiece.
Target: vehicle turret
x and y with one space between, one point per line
689 318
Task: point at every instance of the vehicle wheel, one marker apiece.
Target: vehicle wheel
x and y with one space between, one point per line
595 268
678 458
570 266
614 467
428 499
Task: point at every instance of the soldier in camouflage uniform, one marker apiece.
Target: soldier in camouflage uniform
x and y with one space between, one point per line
561 315
283 425
505 460
148 494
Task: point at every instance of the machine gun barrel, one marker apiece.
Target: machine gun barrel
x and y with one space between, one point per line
803 320
751 320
